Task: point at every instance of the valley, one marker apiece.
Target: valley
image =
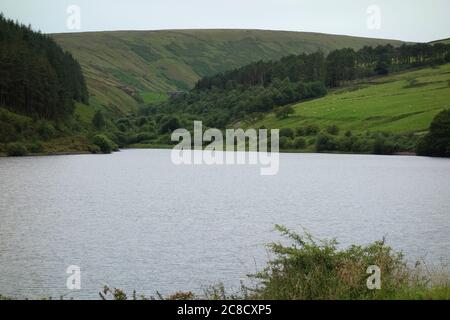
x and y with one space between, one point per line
174 60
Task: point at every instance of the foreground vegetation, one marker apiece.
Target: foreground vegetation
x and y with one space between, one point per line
306 268
311 269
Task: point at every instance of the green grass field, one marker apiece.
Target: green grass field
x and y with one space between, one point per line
171 60
399 103
150 97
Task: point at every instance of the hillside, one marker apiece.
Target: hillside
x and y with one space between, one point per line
377 100
37 77
445 41
40 87
400 103
122 67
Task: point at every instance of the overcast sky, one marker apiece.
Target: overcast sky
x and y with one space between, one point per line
409 20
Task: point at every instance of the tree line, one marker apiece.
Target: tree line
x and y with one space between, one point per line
37 78
220 107
246 93
334 69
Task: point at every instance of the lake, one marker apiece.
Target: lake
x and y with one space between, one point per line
134 220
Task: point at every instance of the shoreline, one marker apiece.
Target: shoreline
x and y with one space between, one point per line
166 147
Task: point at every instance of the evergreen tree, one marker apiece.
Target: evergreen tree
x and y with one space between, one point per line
37 78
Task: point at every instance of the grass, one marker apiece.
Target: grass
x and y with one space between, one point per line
151 97
170 60
70 136
399 103
84 113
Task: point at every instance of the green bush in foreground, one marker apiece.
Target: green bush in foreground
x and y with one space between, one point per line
315 269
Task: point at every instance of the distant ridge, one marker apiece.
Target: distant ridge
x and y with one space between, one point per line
446 40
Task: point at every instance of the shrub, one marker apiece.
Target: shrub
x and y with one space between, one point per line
104 143
7 132
16 149
119 138
311 130
316 269
287 132
437 142
35 147
122 127
317 89
124 121
384 146
94 149
98 121
299 143
141 121
45 129
333 130
140 137
353 144
284 112
325 142
285 142
301 131
169 125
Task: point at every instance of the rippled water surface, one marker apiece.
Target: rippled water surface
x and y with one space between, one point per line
134 220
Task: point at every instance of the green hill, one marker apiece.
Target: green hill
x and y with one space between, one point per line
445 41
400 103
123 67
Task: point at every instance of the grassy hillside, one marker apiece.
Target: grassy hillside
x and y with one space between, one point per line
446 41
124 66
399 103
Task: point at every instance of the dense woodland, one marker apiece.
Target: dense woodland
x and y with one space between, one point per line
335 69
218 108
37 78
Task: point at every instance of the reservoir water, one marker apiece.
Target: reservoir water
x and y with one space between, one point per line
134 220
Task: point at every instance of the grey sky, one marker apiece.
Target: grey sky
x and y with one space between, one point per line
409 20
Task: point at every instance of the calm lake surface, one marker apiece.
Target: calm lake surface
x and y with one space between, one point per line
134 220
